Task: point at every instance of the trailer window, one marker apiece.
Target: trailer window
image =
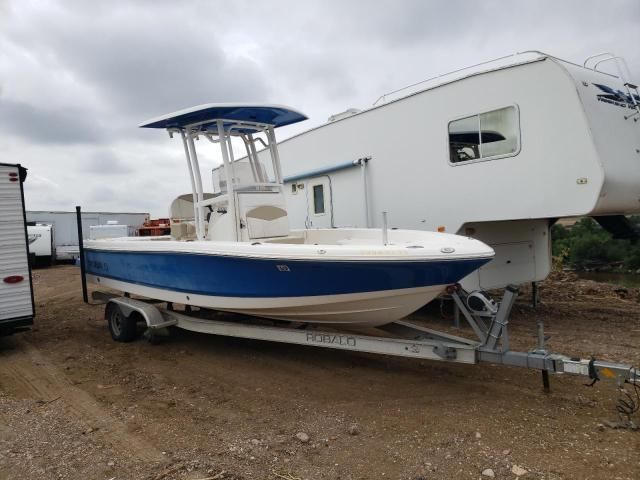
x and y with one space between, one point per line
318 199
484 136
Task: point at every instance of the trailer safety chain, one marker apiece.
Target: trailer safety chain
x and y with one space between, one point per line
593 373
627 405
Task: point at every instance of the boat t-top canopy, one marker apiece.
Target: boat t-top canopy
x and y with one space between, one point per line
204 118
218 123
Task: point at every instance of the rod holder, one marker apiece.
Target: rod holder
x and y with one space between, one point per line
385 229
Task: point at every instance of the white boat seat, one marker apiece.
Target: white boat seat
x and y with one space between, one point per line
266 212
264 215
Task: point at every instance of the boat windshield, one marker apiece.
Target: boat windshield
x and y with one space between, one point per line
248 173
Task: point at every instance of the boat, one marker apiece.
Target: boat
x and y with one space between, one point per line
232 249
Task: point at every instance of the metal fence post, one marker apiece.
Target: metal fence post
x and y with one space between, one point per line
83 277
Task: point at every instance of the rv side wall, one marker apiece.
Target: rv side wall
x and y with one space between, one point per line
410 174
335 199
606 103
16 296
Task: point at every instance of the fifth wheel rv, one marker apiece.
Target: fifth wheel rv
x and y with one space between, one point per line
498 151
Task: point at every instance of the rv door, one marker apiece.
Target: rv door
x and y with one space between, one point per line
319 204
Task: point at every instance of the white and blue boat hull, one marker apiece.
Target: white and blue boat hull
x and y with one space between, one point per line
339 290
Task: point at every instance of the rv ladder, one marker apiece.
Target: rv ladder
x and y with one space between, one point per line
624 74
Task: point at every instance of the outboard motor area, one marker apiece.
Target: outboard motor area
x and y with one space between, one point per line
619 227
480 303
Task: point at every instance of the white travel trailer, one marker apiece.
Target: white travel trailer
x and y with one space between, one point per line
16 291
498 151
65 229
41 243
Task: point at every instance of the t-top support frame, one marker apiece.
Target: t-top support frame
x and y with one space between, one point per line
224 131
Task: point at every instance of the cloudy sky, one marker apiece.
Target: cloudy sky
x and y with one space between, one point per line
76 77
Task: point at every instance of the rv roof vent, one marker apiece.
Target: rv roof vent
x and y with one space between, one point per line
347 113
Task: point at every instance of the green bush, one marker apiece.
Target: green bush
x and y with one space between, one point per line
632 261
586 244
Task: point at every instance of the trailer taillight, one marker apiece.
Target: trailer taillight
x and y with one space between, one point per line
13 279
13 177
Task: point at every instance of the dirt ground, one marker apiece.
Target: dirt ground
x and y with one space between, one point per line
76 405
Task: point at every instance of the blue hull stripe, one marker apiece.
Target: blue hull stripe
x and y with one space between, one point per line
249 277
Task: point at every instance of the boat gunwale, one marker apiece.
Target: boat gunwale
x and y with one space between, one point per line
352 255
320 258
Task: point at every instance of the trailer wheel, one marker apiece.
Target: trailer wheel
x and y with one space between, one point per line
121 327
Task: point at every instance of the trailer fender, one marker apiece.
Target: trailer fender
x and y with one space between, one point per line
150 313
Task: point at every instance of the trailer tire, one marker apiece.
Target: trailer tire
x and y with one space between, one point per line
121 327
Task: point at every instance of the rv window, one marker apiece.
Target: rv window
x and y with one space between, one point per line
484 136
318 199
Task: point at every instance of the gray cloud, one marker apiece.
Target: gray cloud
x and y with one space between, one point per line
76 77
43 125
105 162
142 62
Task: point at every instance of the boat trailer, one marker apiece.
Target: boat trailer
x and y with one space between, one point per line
488 319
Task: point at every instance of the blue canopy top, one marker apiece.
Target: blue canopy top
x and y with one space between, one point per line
206 116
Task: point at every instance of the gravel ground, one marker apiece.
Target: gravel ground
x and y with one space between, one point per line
76 405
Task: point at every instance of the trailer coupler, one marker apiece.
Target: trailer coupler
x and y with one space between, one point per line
598 369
